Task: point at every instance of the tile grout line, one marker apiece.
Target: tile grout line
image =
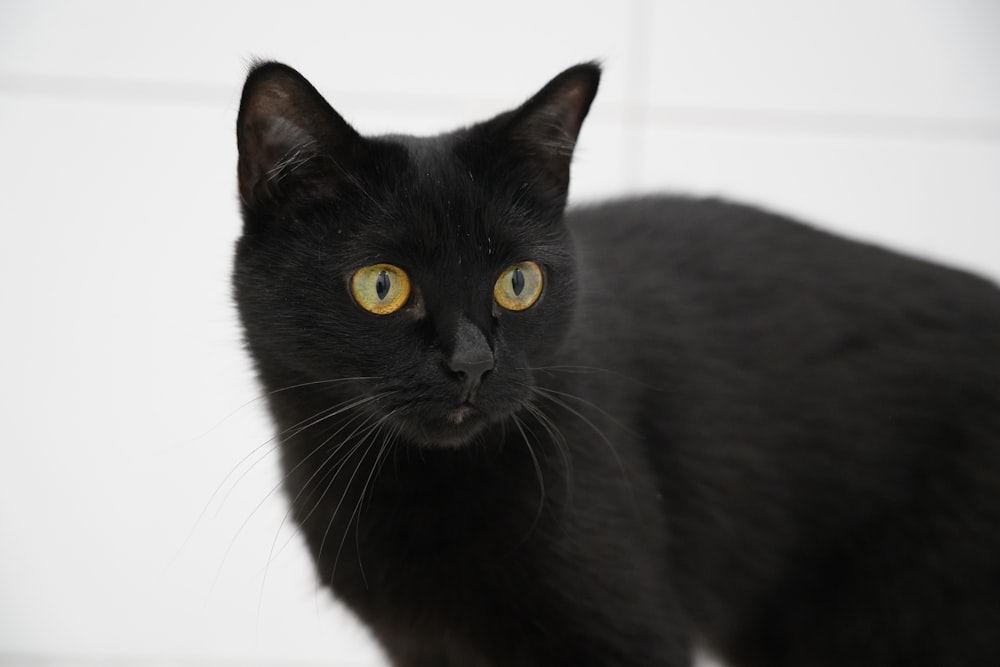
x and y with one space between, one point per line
637 115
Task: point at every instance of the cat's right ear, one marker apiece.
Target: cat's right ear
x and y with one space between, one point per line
290 140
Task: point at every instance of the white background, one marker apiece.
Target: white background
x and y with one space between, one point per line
132 529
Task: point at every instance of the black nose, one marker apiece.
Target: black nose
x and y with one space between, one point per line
471 368
472 357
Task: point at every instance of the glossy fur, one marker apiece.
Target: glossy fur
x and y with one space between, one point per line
716 427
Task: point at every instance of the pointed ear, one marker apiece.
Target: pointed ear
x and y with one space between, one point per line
290 139
544 129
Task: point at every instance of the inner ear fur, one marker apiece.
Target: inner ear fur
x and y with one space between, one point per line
545 128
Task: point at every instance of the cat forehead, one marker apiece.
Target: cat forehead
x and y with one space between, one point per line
449 229
444 196
432 205
435 166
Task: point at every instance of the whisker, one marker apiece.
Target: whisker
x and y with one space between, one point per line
541 481
357 511
326 474
585 370
343 496
596 430
562 446
604 412
268 394
357 508
306 423
332 475
270 493
391 441
272 555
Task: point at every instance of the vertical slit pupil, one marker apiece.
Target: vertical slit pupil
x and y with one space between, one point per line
517 281
382 284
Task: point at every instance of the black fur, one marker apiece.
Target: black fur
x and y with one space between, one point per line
717 426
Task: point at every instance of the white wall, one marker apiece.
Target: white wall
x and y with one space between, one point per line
131 525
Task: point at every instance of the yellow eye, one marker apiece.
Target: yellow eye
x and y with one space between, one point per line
519 286
380 288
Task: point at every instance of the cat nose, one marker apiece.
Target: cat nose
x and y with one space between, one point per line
472 357
472 369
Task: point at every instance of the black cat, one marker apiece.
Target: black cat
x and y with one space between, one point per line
514 436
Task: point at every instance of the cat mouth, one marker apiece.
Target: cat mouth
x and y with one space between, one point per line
462 414
452 427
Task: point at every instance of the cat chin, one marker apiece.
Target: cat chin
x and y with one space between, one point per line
454 428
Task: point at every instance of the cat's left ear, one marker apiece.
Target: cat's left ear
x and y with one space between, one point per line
545 128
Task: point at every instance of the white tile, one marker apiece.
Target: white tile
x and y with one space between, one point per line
441 48
600 168
892 57
934 198
122 360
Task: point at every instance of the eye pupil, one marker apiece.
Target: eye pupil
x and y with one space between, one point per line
519 286
517 281
382 284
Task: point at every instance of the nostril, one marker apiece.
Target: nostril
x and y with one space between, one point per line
471 357
472 370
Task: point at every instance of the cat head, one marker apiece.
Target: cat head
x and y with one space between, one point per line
436 271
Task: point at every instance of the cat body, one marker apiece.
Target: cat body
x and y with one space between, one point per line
712 426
